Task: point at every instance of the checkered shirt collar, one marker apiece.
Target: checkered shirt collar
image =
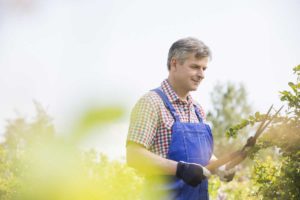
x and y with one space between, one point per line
173 97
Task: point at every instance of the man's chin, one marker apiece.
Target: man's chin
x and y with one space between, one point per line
194 88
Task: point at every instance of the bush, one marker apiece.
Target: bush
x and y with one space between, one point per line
35 163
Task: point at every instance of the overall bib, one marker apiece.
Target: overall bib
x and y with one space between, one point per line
190 142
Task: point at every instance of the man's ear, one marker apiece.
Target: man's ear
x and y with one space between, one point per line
173 64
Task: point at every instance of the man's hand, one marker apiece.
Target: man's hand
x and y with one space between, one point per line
225 175
192 173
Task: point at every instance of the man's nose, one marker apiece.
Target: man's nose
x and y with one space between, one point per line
200 73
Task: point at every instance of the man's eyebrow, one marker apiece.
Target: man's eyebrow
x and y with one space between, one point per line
199 65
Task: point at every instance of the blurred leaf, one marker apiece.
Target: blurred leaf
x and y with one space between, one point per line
95 117
98 116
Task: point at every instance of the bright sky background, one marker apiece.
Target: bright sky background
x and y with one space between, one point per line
72 54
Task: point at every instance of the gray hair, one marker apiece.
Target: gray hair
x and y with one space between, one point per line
183 47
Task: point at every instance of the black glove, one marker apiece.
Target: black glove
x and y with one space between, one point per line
191 173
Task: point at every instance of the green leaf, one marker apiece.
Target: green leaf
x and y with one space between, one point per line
257 115
297 68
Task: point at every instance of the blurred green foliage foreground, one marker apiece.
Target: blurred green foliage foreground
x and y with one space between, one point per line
37 164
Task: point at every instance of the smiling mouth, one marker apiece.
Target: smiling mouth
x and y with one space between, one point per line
196 81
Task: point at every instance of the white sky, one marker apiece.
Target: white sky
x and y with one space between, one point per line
69 55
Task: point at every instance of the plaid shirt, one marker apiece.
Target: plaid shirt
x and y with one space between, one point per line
151 121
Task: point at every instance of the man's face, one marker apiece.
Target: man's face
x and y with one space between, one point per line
190 73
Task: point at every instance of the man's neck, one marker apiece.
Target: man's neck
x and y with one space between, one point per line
182 94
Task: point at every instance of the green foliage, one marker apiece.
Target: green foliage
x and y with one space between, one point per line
230 105
239 188
278 178
93 117
35 163
252 120
277 175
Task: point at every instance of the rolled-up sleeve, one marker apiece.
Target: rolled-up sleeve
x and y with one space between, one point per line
144 121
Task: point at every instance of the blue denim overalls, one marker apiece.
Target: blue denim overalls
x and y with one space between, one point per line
190 142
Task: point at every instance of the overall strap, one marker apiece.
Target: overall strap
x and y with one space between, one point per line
167 103
197 111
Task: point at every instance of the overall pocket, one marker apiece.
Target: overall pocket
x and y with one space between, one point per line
198 147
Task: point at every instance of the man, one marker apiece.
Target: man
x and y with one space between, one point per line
167 136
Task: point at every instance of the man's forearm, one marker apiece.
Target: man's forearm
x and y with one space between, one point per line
148 162
151 164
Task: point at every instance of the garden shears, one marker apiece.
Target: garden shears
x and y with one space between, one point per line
233 159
